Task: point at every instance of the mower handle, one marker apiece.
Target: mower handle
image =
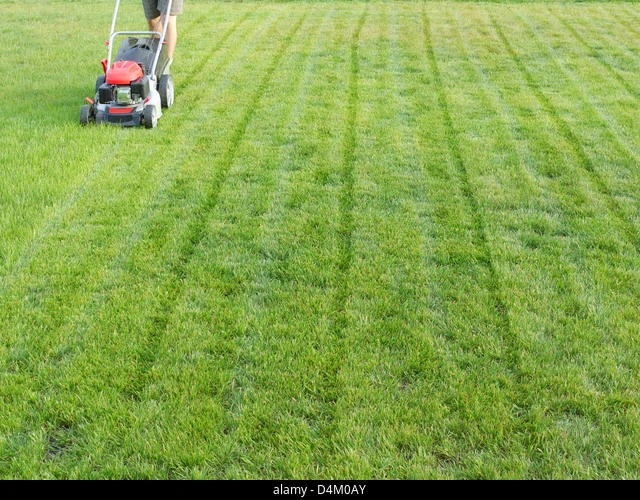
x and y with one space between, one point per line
113 34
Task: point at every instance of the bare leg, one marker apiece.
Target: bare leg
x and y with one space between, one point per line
172 32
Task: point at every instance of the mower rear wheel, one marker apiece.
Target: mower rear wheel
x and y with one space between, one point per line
86 114
150 116
165 88
99 81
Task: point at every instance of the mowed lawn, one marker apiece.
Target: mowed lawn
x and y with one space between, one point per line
370 240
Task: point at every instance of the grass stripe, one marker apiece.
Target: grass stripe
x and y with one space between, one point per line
627 228
302 271
467 190
597 55
196 230
580 276
616 135
266 337
331 385
487 339
198 68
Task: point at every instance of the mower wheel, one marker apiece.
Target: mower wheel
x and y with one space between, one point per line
165 88
99 81
150 116
86 114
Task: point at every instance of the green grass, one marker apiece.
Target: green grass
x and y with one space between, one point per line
381 240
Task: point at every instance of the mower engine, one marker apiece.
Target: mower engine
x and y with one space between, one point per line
125 84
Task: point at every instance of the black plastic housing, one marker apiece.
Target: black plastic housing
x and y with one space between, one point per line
105 93
142 51
141 87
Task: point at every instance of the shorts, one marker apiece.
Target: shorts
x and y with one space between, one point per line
153 8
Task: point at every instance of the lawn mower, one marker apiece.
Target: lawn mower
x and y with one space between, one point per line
136 85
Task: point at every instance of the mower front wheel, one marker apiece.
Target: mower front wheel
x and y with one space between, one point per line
86 114
165 88
150 116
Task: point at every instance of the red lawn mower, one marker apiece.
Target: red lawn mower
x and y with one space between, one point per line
136 85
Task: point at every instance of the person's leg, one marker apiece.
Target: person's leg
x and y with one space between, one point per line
155 24
151 13
172 36
172 32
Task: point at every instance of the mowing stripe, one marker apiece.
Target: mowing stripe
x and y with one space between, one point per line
197 229
256 332
347 194
200 65
624 21
331 386
494 107
467 190
608 21
618 135
627 228
538 198
277 209
597 55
